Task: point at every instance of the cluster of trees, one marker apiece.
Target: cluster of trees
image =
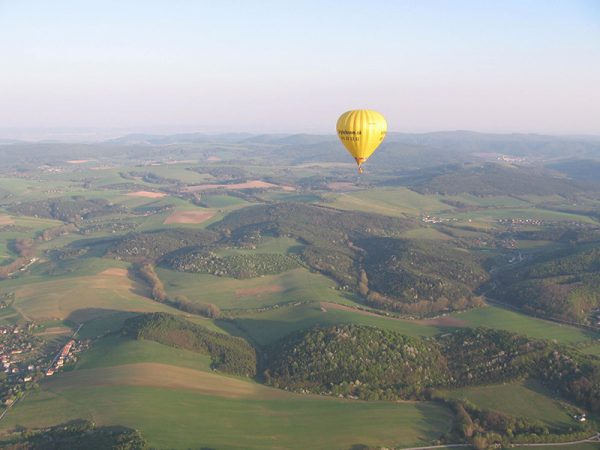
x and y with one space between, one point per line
223 172
25 249
149 177
229 354
236 266
52 233
484 428
355 361
560 233
114 226
148 273
155 244
369 363
71 209
481 355
575 376
78 433
564 285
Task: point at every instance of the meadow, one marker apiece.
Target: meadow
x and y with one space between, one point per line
525 399
515 322
183 418
397 202
237 295
266 327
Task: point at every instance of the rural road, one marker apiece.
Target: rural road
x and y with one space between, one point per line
591 439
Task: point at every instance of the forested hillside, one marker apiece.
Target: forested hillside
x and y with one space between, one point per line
369 363
67 209
420 276
356 361
235 266
565 285
229 354
364 252
152 245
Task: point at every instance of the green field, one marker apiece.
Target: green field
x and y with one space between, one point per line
524 399
264 328
222 201
505 319
283 245
177 418
116 350
496 201
233 294
387 201
80 297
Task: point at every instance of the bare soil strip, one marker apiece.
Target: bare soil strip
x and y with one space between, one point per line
147 194
115 272
445 321
330 305
5 219
55 331
189 217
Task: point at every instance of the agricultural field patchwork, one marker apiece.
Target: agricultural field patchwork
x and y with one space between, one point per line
192 297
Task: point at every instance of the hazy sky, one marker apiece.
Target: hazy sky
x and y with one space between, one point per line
294 66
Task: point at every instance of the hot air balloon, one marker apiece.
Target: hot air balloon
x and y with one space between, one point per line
361 131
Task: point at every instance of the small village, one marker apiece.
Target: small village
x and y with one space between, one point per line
68 354
25 360
21 359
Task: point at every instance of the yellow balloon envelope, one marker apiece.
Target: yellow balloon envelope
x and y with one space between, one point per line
361 131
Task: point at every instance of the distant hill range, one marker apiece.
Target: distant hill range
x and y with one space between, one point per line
497 179
579 169
399 153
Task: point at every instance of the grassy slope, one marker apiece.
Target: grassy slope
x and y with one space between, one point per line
117 350
527 399
248 419
388 201
79 296
229 293
269 326
504 319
